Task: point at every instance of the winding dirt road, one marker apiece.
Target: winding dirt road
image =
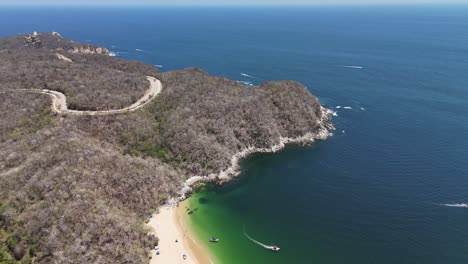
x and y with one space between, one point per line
59 100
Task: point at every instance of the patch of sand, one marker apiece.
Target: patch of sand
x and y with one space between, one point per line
169 226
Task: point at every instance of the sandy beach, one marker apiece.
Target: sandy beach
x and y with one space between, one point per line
169 226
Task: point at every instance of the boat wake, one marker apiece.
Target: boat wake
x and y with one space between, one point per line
139 50
344 107
464 205
351 66
257 242
157 65
246 75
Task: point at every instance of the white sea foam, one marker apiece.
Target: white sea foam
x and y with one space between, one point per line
338 107
112 54
351 66
347 107
139 50
157 65
234 169
362 108
464 205
331 112
247 75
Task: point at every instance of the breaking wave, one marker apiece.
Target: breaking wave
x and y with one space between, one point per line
246 83
331 112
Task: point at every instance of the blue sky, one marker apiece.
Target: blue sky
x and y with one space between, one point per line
226 2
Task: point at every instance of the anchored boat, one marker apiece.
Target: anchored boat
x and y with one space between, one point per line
214 239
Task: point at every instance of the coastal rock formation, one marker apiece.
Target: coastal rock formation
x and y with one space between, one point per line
55 41
33 40
89 50
206 120
78 188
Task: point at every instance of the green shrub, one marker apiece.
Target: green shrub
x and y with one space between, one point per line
11 242
149 149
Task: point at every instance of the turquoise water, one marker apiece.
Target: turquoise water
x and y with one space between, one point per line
373 193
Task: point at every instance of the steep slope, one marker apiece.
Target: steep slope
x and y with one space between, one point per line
78 188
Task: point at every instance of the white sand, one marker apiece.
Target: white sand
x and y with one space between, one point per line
166 225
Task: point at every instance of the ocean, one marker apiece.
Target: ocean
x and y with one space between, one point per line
378 190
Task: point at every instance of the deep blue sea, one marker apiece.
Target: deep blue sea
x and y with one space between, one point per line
376 192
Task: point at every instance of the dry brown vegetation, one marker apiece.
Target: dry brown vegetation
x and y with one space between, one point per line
68 198
90 82
78 189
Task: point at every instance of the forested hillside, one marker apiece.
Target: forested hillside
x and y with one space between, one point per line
78 189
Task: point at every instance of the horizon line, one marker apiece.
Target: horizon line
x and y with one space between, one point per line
235 5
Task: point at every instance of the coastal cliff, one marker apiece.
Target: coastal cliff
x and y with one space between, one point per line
77 188
210 123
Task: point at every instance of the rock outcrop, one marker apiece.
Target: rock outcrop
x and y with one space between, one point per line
55 41
33 40
89 50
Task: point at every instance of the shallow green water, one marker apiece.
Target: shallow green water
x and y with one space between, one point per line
225 211
386 187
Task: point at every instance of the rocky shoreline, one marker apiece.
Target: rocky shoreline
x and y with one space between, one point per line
99 176
233 170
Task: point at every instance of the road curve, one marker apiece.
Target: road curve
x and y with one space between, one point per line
59 100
